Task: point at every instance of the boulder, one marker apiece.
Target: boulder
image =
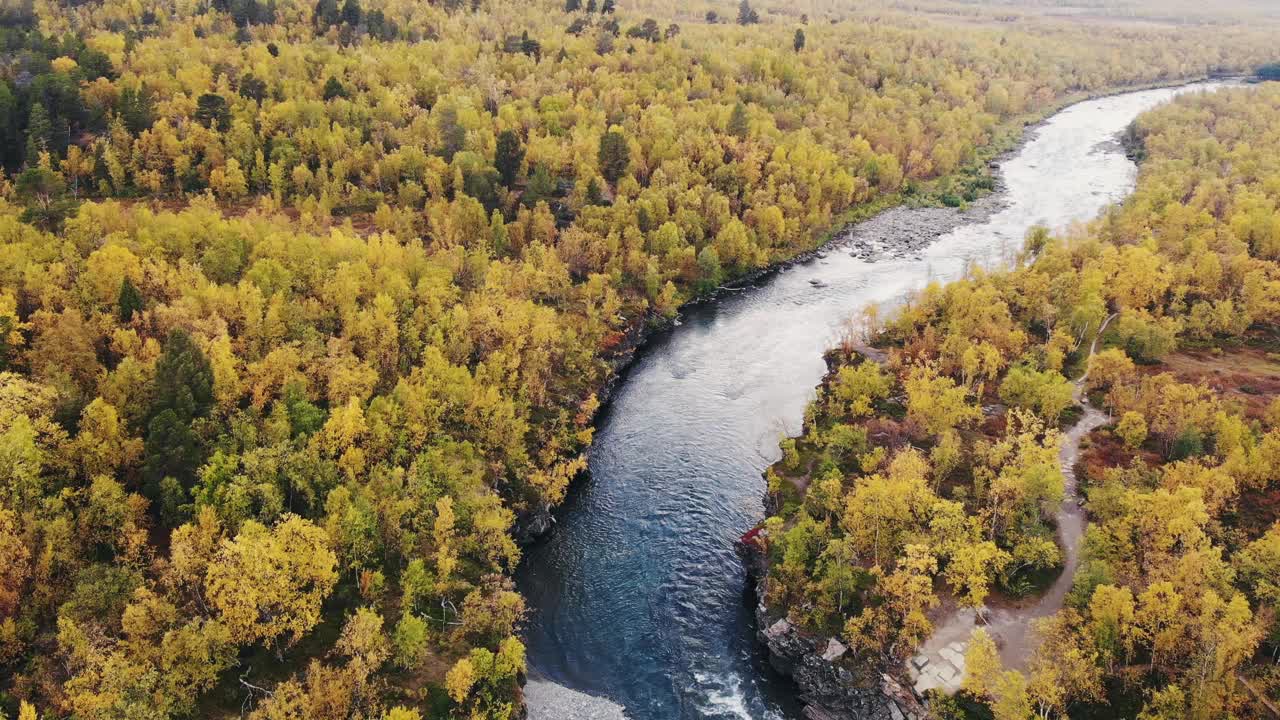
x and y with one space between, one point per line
835 650
532 525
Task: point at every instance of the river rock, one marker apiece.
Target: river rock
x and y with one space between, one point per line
835 650
532 524
831 687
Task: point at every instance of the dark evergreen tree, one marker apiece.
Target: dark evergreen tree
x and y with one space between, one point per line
184 379
134 107
326 14
608 6
351 12
130 302
8 350
173 502
95 64
39 132
530 47
333 89
595 195
541 186
453 137
172 451
746 14
253 88
59 95
798 42
738 122
648 30
244 12
380 27
10 147
183 393
604 44
212 110
614 155
43 193
509 156
572 6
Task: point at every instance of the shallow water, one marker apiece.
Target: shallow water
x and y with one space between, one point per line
638 594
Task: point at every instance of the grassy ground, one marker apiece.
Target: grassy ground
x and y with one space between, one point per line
1247 375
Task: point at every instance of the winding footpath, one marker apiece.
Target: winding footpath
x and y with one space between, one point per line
939 663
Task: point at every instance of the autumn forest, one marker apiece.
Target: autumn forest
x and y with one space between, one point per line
307 310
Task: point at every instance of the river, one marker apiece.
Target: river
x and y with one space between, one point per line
638 595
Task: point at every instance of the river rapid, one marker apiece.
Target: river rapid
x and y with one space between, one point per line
637 595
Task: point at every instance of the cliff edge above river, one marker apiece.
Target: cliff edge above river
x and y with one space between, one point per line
830 685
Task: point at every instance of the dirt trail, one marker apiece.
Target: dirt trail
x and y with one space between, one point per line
940 660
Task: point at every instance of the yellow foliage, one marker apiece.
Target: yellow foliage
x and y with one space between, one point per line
269 583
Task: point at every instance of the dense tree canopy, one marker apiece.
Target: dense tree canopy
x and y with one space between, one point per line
303 305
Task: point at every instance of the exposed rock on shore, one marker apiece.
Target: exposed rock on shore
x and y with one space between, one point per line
533 524
546 700
831 687
905 232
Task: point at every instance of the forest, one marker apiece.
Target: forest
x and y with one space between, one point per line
306 308
926 478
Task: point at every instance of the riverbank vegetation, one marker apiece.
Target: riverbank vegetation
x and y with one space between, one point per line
934 475
304 305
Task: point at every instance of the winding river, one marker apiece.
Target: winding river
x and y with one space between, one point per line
638 595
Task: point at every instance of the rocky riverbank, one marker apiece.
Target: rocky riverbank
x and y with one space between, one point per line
545 699
631 578
901 231
832 687
830 691
532 524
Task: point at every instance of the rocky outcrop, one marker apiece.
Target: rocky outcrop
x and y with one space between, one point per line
532 524
831 686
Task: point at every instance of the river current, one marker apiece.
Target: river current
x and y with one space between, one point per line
638 596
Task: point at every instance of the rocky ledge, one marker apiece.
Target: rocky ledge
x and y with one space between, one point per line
533 524
831 688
